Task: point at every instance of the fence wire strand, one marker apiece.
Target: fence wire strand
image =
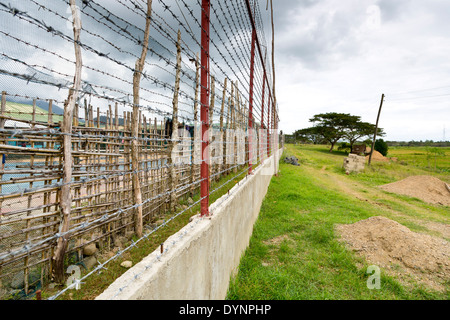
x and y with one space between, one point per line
37 68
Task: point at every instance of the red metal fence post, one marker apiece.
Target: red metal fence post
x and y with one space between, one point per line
262 108
268 124
250 104
204 110
273 129
258 46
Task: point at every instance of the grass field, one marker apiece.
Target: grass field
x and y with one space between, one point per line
423 157
294 252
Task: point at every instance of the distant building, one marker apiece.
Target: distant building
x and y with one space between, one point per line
21 116
359 149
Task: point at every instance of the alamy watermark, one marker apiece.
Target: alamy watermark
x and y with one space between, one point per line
228 147
374 280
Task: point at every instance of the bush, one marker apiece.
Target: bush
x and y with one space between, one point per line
344 146
382 147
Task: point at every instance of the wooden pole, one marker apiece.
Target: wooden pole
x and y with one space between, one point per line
66 198
2 126
223 152
137 193
3 110
173 176
228 146
210 133
376 129
194 166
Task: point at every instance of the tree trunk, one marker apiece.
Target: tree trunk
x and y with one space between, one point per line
66 197
194 165
173 177
137 193
332 146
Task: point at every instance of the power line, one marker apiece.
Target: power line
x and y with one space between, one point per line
421 90
423 97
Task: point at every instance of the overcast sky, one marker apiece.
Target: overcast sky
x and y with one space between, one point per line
331 56
341 55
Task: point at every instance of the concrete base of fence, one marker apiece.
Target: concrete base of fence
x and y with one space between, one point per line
199 261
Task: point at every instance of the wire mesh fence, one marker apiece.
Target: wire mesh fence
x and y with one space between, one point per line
114 116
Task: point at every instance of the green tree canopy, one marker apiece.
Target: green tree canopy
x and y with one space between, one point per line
359 129
332 127
309 135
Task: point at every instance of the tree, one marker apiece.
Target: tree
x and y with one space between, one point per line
381 146
333 126
359 129
308 135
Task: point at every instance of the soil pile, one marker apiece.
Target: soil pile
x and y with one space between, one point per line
426 188
376 156
399 251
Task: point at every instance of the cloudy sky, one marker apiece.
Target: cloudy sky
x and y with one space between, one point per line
340 56
331 56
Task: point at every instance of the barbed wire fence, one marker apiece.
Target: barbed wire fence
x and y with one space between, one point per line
116 118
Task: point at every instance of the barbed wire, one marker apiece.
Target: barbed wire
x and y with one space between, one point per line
109 42
85 225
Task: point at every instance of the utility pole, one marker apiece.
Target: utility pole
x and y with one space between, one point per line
376 130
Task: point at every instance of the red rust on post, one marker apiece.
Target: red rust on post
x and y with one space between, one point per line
204 110
258 46
268 126
250 103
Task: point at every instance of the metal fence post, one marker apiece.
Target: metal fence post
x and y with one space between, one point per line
262 104
268 124
204 110
250 102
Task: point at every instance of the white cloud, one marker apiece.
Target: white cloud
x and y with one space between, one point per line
342 57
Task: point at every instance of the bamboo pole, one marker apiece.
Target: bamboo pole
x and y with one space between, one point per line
65 199
30 197
2 126
221 163
228 144
173 175
137 192
194 166
211 110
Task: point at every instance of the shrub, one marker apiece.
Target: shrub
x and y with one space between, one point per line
382 147
344 146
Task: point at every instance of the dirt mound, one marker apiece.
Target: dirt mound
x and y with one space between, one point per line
376 156
426 188
399 251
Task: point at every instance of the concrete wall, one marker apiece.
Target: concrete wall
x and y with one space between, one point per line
201 258
354 163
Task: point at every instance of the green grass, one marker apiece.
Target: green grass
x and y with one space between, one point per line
24 112
423 158
294 253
